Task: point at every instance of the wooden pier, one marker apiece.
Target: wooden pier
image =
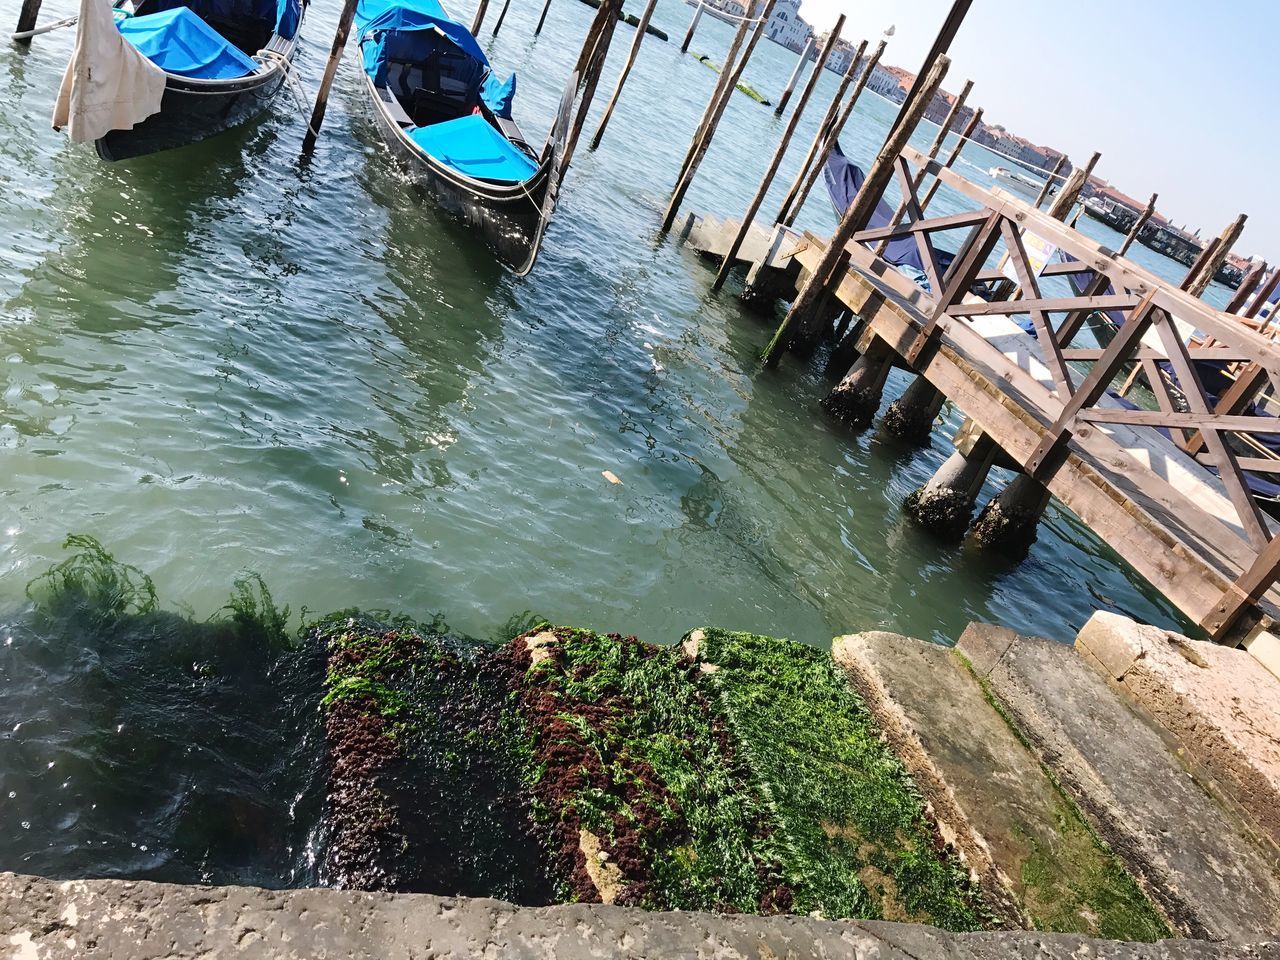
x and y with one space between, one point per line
1043 405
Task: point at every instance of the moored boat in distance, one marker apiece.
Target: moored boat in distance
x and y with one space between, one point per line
222 63
1018 183
448 119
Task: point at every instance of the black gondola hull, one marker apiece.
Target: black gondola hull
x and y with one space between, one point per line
509 217
190 113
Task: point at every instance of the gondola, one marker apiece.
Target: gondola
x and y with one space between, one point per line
223 61
447 119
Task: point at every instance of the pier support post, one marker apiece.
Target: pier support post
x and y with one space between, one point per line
945 504
1009 520
693 25
859 212
340 35
749 217
795 75
823 141
478 20
641 27
856 398
27 19
706 129
607 21
502 15
911 416
543 18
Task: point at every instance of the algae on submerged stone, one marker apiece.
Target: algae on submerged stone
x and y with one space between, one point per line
850 832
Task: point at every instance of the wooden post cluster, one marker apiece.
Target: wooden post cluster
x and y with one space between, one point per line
330 71
1048 181
953 156
822 146
934 147
748 218
859 212
795 75
592 63
626 71
720 97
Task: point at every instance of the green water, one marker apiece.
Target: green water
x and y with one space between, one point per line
215 360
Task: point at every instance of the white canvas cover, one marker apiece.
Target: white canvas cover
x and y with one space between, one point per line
108 84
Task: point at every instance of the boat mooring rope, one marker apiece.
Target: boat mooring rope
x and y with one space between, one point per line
47 28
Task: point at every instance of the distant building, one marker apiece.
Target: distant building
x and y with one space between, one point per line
887 81
787 27
841 55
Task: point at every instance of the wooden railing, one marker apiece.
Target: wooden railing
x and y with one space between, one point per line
1156 322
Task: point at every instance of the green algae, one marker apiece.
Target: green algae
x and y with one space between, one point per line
622 745
850 834
93 579
750 91
1081 886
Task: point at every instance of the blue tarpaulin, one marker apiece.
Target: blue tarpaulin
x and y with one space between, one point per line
179 42
498 96
473 148
378 22
280 16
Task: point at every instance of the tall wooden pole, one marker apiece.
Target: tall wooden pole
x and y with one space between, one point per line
715 110
1066 197
953 156
749 217
1138 224
27 19
608 17
1212 257
859 212
479 17
693 25
626 70
1247 285
795 75
808 176
1048 181
543 18
330 70
934 147
502 15
824 127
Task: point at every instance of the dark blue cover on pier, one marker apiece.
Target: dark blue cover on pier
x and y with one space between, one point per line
844 179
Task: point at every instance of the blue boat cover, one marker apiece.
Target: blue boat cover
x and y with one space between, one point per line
844 179
498 96
179 42
383 22
281 16
475 149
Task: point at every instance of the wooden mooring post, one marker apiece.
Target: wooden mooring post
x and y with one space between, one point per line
749 217
1048 181
859 212
502 15
330 71
693 25
27 20
953 156
593 65
795 76
716 106
934 147
824 142
634 52
478 20
542 18
1138 224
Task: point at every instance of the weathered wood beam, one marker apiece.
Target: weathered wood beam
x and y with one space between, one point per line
1048 181
795 76
330 71
634 52
1138 224
749 217
954 155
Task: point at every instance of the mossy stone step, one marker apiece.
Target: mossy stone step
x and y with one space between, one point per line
1035 859
1209 879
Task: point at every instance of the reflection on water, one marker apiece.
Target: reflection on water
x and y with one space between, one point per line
220 359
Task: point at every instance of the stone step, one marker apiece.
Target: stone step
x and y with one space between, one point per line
1209 879
1220 704
1036 861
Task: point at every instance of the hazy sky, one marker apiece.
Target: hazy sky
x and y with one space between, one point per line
1179 96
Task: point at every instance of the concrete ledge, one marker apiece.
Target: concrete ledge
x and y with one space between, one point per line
1221 705
105 919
